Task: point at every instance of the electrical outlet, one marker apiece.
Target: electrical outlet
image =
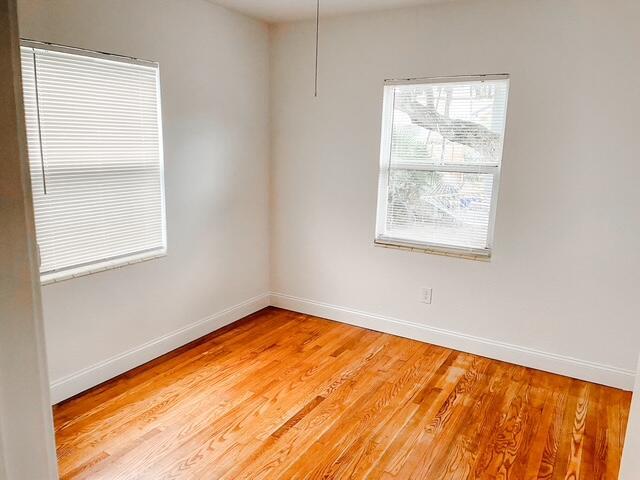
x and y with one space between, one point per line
426 295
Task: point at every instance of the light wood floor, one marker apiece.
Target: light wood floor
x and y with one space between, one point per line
284 395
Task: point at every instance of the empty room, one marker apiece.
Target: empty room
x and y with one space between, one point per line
319 239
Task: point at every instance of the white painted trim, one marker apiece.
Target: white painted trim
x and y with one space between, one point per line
102 266
93 375
81 380
528 357
630 464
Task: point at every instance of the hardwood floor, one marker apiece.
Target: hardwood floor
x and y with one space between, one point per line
285 395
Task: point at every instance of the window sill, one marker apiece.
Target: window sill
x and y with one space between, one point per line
56 277
433 250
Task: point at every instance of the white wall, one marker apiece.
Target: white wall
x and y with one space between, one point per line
563 279
558 293
214 76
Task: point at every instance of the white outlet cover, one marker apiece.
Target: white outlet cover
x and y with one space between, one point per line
427 295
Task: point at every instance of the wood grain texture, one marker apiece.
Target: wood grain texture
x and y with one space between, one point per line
285 395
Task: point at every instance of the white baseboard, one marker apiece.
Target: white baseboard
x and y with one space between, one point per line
528 357
86 378
80 381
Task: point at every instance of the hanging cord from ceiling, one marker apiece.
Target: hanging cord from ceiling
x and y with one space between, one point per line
317 45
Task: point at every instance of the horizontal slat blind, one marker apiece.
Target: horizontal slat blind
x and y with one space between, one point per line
94 138
441 161
450 208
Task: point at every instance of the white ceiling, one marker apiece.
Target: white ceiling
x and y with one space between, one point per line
284 10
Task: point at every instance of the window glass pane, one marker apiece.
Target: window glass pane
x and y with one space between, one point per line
441 153
442 208
95 152
449 123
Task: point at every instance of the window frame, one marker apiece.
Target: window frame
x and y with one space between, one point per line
380 238
103 264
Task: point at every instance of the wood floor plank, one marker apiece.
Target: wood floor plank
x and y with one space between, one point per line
349 384
414 438
158 376
335 452
285 395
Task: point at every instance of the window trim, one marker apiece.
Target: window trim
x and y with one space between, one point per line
56 276
432 248
62 274
114 57
380 239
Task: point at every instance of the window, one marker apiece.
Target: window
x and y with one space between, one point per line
440 163
95 153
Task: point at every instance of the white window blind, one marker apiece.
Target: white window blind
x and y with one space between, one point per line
95 154
441 152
